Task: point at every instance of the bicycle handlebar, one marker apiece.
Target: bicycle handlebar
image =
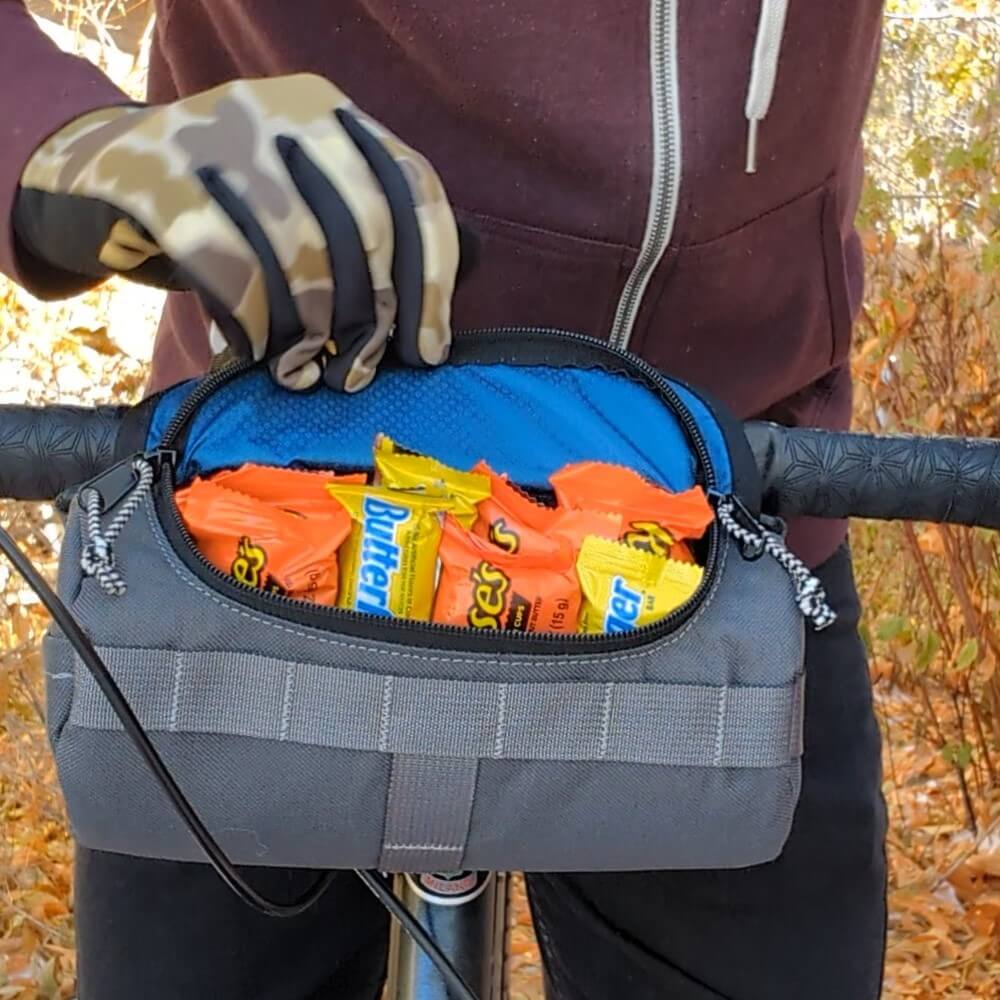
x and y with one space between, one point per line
47 449
828 474
831 474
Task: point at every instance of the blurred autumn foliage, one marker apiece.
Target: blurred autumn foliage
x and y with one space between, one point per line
926 360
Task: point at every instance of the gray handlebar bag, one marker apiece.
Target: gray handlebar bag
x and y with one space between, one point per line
323 738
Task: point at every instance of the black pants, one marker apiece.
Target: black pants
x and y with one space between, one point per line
809 926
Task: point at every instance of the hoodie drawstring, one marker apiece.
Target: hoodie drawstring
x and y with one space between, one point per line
763 70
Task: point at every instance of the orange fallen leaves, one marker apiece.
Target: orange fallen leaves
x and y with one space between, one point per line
931 540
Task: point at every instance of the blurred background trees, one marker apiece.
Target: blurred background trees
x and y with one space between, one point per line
925 356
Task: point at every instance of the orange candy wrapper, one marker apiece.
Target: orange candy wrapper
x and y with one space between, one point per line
274 548
283 487
514 522
483 587
523 566
653 518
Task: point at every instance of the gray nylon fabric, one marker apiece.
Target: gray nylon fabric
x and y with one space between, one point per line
239 694
747 631
427 813
302 747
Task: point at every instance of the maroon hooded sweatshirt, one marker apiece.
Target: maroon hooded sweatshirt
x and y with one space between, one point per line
598 147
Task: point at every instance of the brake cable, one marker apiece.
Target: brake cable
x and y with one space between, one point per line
225 869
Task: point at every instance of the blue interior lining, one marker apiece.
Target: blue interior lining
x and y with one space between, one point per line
525 421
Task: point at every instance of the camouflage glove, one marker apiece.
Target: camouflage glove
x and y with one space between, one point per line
309 231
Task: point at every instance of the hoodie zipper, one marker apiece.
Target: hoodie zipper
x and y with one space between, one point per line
452 636
666 172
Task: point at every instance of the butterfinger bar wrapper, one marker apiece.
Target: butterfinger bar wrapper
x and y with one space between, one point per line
276 549
389 563
400 469
625 588
483 587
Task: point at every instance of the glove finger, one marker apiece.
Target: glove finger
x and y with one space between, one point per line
226 329
126 248
293 348
353 370
296 372
361 315
159 272
426 254
76 235
283 320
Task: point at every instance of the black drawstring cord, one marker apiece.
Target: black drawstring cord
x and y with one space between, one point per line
225 869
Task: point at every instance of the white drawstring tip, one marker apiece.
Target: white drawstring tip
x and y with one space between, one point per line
752 124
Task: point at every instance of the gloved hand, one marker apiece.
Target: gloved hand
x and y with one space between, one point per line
307 228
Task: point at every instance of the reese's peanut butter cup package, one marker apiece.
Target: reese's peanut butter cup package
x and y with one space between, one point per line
278 549
511 520
576 525
389 561
514 522
400 469
484 587
653 518
284 487
625 588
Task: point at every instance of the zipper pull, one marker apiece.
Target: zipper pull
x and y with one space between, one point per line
128 483
756 538
114 484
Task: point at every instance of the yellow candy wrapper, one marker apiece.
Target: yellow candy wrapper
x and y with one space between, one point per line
625 588
399 469
388 565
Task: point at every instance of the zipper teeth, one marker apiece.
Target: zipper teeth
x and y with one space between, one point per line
407 627
666 167
197 396
650 373
220 378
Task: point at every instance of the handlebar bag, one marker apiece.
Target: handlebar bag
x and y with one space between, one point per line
318 737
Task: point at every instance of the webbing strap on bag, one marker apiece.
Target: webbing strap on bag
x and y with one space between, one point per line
267 698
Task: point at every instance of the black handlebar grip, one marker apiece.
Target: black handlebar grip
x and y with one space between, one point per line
45 450
833 474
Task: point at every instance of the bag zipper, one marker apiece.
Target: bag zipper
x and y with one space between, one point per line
505 336
205 388
757 536
754 536
403 630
